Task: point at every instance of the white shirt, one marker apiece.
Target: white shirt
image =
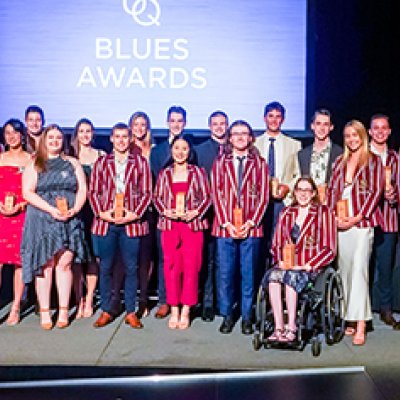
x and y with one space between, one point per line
383 155
236 163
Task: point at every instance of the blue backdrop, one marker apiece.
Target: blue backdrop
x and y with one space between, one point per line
105 59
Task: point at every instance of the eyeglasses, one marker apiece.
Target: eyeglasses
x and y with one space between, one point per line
303 190
240 133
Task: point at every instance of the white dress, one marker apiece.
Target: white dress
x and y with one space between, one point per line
354 250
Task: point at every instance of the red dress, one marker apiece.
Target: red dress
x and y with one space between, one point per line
11 227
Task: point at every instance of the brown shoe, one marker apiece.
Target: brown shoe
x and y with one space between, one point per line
133 321
104 319
387 318
162 311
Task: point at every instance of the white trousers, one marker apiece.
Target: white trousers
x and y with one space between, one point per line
354 250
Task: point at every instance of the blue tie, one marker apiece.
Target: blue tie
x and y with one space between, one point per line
271 157
240 176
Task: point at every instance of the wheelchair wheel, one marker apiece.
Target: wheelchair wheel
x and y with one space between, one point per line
261 313
333 309
302 325
316 347
257 343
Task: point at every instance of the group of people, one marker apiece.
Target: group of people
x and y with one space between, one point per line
218 214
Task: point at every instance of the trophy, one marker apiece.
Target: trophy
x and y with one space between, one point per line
388 177
119 205
62 205
288 255
9 201
274 187
342 208
237 218
322 193
180 204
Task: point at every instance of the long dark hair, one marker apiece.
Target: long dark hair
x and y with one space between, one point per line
19 127
191 157
75 146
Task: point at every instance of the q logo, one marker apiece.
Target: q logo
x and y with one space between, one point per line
139 11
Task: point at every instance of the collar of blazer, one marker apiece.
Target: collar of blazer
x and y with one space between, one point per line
359 169
312 212
190 168
230 168
110 162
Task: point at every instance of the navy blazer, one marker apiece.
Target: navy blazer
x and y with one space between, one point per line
206 153
161 154
159 157
304 157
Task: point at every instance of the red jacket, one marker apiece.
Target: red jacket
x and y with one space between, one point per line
390 209
368 183
254 194
197 197
137 192
317 241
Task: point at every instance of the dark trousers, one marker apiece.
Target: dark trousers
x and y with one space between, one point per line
232 253
209 271
147 256
117 241
382 262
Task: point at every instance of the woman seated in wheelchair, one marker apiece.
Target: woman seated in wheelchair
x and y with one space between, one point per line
304 242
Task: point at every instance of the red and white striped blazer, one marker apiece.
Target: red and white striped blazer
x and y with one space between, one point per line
254 195
317 242
390 209
368 183
197 197
137 192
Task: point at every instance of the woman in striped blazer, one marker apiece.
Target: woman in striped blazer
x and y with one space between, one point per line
309 229
181 197
357 178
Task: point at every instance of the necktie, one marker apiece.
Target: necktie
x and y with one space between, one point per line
240 176
221 150
271 157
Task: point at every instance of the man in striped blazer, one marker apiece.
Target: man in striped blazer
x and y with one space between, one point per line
239 187
385 236
124 176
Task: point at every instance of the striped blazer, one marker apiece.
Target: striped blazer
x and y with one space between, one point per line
137 192
254 193
389 209
366 191
197 197
317 242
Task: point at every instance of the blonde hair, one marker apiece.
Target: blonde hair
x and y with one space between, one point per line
362 133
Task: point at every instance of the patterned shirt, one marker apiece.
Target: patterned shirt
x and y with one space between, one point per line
120 168
319 164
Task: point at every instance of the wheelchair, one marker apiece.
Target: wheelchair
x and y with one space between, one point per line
320 314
